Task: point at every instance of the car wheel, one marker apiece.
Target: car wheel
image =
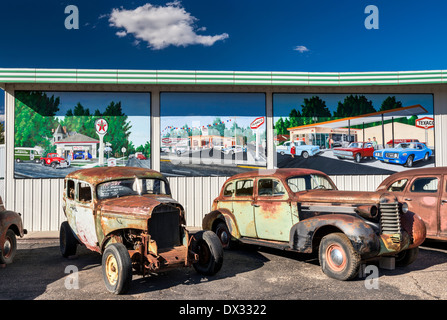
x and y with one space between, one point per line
409 162
18 160
9 248
67 241
281 153
305 154
117 268
337 256
358 157
224 235
407 257
53 164
207 246
426 157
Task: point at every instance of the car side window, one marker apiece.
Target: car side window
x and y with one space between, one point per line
70 189
228 191
270 187
425 184
244 188
398 186
84 192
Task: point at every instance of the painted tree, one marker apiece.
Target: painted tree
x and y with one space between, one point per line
35 119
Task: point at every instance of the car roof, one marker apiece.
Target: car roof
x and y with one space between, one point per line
415 172
282 173
100 174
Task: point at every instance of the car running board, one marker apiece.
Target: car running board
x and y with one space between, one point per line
266 243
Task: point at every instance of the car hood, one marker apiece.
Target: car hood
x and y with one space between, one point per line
135 205
338 197
347 149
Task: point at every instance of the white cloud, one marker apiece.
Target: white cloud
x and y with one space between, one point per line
161 26
301 49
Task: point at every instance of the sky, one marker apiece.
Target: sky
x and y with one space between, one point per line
235 35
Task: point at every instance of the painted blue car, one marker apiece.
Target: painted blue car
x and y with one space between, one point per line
81 155
404 153
301 149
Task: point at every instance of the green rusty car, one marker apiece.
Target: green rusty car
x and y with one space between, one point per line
301 210
128 215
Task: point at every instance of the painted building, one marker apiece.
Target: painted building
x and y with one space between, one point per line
39 199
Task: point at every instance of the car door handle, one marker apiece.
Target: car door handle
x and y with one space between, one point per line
443 201
255 205
407 199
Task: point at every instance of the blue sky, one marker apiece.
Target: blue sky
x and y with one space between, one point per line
247 35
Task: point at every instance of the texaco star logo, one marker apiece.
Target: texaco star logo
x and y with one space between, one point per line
101 126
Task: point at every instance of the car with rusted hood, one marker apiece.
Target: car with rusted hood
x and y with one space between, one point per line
11 227
301 210
129 216
355 151
425 192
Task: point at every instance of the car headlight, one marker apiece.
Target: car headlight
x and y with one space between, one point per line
405 207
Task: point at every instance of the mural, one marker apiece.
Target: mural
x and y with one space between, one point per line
212 134
354 133
57 132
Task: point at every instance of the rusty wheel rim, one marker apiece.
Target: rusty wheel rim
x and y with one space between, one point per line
336 257
111 269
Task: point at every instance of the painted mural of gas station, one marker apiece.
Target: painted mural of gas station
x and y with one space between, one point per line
353 137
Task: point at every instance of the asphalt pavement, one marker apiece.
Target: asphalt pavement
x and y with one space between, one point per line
249 273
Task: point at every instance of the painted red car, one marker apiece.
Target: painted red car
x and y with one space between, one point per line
355 151
140 155
54 160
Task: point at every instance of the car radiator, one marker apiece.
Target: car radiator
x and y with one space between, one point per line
390 219
164 226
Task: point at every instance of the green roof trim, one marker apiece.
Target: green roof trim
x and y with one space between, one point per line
61 76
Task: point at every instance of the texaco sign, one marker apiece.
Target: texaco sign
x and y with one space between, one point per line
101 126
425 123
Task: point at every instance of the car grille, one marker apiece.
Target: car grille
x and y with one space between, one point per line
390 218
164 226
343 153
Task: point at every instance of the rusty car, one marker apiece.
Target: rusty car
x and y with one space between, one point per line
129 216
11 226
301 210
425 192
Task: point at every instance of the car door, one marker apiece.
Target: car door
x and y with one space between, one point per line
243 209
85 219
422 196
273 216
443 208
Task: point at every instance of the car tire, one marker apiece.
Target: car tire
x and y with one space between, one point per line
305 154
117 268
281 153
409 162
224 235
67 241
406 257
53 164
8 248
426 157
209 249
337 256
358 157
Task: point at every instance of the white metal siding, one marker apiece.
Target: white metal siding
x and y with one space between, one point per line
40 200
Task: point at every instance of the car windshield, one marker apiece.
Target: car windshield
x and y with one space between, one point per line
406 146
122 188
309 182
355 145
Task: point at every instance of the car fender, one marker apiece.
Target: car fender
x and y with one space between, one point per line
11 220
306 234
224 215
